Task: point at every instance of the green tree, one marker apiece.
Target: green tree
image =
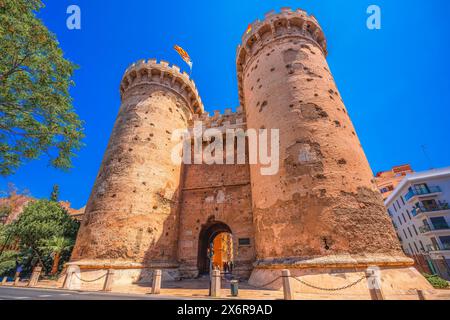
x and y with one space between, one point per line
54 196
7 257
56 246
36 112
41 221
8 262
5 211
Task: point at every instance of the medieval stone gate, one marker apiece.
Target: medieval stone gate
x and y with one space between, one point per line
215 199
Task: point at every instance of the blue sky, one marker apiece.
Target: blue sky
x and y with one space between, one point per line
394 81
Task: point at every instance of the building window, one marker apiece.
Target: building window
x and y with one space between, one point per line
398 204
410 248
421 245
445 240
404 219
404 232
389 212
415 246
401 197
399 220
394 207
429 205
434 244
410 232
421 188
415 230
409 216
439 223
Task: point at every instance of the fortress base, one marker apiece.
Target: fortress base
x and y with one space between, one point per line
399 280
90 275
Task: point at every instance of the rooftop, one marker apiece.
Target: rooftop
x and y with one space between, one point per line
416 178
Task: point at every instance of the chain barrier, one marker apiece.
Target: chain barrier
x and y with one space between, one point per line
269 283
79 278
330 289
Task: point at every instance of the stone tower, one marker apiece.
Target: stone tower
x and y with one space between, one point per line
322 210
132 214
320 215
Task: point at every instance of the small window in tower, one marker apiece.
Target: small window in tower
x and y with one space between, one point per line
244 241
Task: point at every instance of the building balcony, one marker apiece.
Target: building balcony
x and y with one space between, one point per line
441 229
431 211
430 191
439 251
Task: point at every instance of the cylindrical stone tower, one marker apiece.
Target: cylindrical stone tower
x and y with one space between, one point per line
321 210
131 218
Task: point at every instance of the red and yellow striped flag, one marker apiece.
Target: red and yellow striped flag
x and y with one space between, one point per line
184 55
249 29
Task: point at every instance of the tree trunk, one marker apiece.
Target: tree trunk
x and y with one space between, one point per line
55 264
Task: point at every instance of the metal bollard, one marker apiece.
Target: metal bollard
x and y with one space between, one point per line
156 283
108 280
234 286
4 280
16 281
215 283
288 289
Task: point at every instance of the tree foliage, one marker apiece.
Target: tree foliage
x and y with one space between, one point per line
36 112
40 222
7 258
436 281
56 246
8 262
54 196
5 211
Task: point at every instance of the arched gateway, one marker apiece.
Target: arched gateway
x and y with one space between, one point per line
208 241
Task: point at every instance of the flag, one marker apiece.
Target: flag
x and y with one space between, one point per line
184 55
249 29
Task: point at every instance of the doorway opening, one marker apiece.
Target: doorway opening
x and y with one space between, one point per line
215 248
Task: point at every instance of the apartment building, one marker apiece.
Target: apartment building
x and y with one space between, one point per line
387 180
419 209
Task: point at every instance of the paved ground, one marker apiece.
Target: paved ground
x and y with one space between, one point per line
17 293
186 289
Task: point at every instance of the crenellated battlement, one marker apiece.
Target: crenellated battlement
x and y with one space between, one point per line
162 73
286 23
221 121
279 24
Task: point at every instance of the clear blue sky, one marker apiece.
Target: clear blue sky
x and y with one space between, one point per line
395 82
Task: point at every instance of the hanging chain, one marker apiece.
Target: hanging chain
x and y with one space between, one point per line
269 283
79 278
331 289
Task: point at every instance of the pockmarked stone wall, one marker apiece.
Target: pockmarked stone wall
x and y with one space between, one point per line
322 202
132 213
217 193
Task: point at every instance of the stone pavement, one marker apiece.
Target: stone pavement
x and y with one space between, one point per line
198 288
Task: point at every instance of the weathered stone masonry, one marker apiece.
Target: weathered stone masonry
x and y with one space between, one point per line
320 214
323 200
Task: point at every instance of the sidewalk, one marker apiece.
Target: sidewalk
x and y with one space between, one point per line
199 288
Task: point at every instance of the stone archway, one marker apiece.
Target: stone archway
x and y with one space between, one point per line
206 237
